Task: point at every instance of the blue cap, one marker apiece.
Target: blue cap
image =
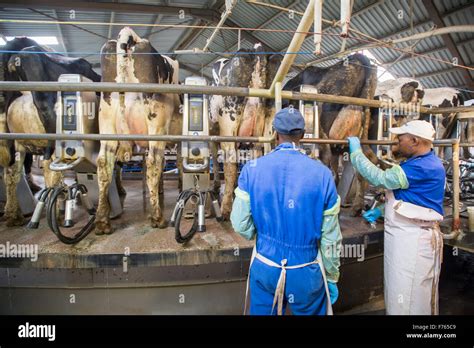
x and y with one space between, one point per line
288 120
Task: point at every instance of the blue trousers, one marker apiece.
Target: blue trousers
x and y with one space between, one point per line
304 290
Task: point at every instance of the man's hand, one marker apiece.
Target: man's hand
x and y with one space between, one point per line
354 144
333 292
372 215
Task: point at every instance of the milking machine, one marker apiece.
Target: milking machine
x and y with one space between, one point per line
466 179
76 114
309 110
196 170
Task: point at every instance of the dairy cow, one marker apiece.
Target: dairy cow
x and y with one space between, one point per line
131 59
354 77
242 116
31 112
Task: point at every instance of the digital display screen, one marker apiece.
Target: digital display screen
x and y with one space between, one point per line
196 113
69 111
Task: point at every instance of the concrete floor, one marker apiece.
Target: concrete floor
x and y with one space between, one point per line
133 231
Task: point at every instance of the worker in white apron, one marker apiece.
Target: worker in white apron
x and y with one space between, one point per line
289 201
413 244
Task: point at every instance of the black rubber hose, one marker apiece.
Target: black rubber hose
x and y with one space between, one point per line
184 197
53 222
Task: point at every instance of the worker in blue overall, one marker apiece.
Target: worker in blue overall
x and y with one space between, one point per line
413 243
290 203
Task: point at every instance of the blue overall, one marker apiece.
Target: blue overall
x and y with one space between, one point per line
288 194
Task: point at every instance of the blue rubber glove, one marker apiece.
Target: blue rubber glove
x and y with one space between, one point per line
372 215
354 144
333 292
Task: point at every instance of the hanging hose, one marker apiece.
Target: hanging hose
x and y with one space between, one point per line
72 192
178 213
198 216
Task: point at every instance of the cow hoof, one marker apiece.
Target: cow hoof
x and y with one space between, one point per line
225 216
158 223
15 221
102 228
121 191
98 232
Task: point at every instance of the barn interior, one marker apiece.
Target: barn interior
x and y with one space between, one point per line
139 269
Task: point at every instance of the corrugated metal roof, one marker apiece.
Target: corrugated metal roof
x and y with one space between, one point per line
385 20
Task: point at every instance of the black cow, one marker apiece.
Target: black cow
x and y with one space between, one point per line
353 77
31 112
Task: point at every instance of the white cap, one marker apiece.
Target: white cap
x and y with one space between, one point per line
418 128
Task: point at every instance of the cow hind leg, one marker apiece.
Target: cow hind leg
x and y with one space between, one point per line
105 172
51 178
4 144
359 204
154 170
13 214
118 180
230 176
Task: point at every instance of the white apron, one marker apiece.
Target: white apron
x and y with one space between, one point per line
413 247
280 288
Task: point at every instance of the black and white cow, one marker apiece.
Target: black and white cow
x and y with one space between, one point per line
241 116
354 77
131 59
402 90
31 112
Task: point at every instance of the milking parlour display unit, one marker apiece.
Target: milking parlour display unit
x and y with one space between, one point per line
94 241
196 177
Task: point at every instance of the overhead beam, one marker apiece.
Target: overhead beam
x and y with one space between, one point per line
111 27
356 48
354 15
229 22
449 42
113 6
295 45
250 37
277 15
435 50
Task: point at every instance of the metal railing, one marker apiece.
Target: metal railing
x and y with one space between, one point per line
218 90
278 94
456 224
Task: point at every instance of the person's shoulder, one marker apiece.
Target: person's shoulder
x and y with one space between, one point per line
429 164
253 164
435 161
317 165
